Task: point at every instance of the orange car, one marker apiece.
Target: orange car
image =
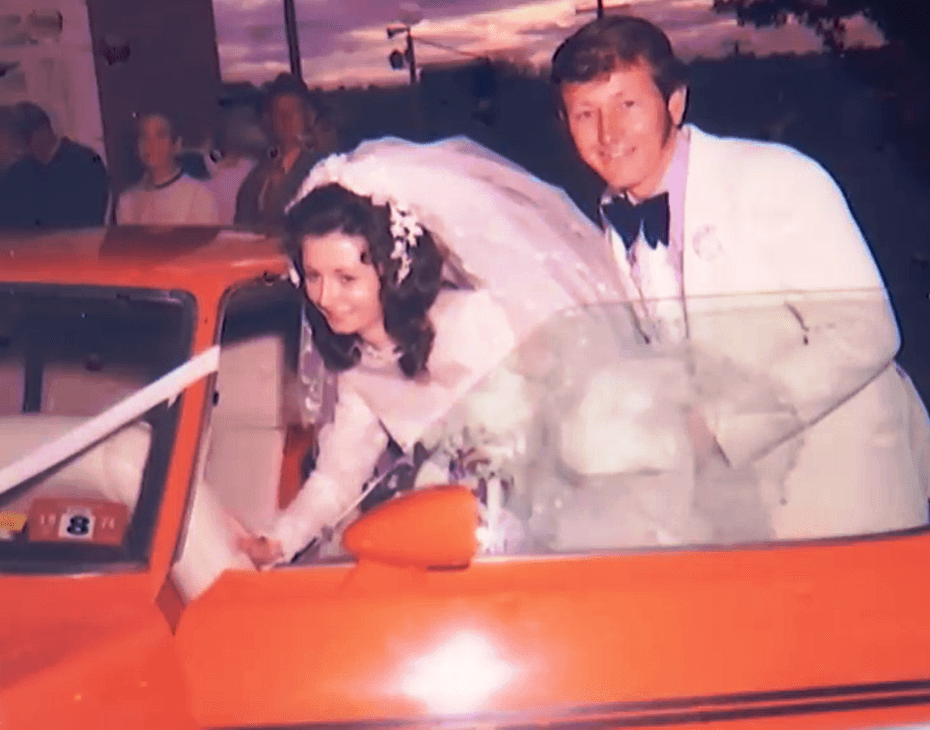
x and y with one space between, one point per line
136 363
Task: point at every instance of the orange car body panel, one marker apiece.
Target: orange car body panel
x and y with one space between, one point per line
94 650
830 634
570 634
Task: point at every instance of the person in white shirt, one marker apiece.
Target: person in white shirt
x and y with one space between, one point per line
228 170
229 159
703 230
165 195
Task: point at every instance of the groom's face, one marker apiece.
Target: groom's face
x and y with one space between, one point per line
623 127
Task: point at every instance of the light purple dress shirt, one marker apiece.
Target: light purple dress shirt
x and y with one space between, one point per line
674 183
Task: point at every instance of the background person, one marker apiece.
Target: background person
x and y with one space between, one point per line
300 136
165 195
229 161
58 183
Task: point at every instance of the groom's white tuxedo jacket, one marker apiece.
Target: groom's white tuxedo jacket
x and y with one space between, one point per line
778 283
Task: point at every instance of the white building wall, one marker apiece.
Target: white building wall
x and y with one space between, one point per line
54 71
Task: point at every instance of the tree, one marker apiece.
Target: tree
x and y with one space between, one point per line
906 21
901 70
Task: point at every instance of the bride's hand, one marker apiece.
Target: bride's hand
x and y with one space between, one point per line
262 551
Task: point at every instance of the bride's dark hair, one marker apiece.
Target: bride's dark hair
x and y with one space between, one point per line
331 208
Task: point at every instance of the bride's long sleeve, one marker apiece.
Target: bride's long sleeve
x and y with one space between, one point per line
349 449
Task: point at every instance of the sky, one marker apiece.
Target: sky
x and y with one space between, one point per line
344 42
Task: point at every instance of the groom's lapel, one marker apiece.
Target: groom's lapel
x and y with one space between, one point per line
707 217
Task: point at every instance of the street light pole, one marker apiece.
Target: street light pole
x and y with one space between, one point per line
293 41
397 58
411 59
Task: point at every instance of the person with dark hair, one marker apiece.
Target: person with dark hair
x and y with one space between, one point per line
412 298
406 287
166 195
405 348
58 183
301 137
702 226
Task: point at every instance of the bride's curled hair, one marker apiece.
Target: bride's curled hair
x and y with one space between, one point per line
405 304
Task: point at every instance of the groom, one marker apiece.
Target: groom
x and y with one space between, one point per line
728 245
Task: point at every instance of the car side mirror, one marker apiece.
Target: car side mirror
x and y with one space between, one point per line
432 527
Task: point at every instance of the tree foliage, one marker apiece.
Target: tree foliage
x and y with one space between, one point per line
907 21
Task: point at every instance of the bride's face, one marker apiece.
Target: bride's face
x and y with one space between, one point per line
343 286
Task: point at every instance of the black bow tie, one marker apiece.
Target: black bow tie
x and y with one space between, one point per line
651 217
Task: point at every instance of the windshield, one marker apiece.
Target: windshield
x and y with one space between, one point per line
589 438
68 354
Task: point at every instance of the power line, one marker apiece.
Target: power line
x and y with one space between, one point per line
444 47
600 8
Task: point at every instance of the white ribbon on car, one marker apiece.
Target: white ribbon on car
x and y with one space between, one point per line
166 388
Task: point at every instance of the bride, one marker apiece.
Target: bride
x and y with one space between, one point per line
422 268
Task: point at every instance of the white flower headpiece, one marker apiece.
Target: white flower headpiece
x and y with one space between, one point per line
369 177
405 230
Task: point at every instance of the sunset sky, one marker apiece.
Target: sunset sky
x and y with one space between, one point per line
343 42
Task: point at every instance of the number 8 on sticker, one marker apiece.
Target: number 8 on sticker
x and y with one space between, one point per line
76 524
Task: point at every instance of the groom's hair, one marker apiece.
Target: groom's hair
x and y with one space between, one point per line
615 41
405 304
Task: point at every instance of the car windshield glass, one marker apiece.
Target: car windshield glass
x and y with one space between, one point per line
68 354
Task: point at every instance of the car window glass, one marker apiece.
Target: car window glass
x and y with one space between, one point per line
68 354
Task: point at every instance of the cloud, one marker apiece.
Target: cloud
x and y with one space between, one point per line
343 42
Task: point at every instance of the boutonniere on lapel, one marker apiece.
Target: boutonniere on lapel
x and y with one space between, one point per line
706 242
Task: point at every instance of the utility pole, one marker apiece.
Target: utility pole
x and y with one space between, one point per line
411 58
293 41
408 57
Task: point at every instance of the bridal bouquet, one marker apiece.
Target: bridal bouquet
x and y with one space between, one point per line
482 442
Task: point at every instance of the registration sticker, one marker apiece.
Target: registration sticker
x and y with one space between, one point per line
63 519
